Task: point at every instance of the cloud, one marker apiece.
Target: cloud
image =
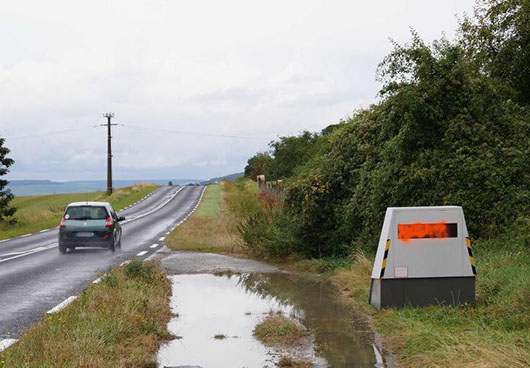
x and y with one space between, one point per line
231 68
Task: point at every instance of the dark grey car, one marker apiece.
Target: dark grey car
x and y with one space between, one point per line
90 224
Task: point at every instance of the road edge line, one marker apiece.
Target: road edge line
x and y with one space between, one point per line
61 305
5 343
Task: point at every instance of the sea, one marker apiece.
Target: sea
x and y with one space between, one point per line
42 187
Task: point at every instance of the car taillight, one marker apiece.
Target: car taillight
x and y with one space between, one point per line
63 222
108 223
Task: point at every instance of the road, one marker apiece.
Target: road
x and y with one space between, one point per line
35 277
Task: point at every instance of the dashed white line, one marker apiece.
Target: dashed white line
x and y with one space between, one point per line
162 238
24 236
125 263
43 231
154 246
170 197
60 306
5 343
36 250
97 281
142 253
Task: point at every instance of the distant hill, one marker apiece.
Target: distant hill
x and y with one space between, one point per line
230 177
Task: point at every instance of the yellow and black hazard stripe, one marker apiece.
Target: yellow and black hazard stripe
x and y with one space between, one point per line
384 258
471 259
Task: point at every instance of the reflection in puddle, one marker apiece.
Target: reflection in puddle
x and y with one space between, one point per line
209 305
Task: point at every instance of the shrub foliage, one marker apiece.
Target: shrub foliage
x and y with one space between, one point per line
451 128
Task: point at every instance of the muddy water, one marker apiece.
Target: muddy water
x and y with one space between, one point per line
208 305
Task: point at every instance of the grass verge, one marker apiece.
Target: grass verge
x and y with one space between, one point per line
495 332
278 329
116 323
210 228
36 213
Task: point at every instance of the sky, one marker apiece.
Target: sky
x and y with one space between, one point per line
197 87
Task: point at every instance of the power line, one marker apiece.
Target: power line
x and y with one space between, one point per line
192 133
46 133
133 126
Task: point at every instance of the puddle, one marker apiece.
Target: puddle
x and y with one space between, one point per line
208 306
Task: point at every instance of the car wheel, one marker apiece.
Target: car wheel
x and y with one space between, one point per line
112 246
62 248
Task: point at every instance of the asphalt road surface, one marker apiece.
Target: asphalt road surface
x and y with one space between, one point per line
35 277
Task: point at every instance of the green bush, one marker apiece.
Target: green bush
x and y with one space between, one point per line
243 203
452 127
139 270
444 134
269 234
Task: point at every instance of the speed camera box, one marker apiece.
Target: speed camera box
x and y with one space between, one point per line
424 257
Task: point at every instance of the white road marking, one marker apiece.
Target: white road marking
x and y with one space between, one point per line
168 233
43 231
142 253
125 263
1 241
156 208
154 246
5 343
162 238
26 235
31 251
97 281
60 306
378 357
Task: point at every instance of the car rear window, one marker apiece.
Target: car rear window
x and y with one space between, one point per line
86 213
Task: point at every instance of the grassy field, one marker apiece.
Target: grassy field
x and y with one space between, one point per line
119 322
210 228
36 213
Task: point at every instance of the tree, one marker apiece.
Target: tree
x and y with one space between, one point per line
498 38
291 152
6 196
258 165
170 184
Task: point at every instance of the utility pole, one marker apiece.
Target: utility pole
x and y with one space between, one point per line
109 116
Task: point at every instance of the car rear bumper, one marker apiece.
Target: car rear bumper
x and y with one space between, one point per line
85 242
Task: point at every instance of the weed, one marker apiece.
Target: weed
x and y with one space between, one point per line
276 328
288 362
139 270
111 280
